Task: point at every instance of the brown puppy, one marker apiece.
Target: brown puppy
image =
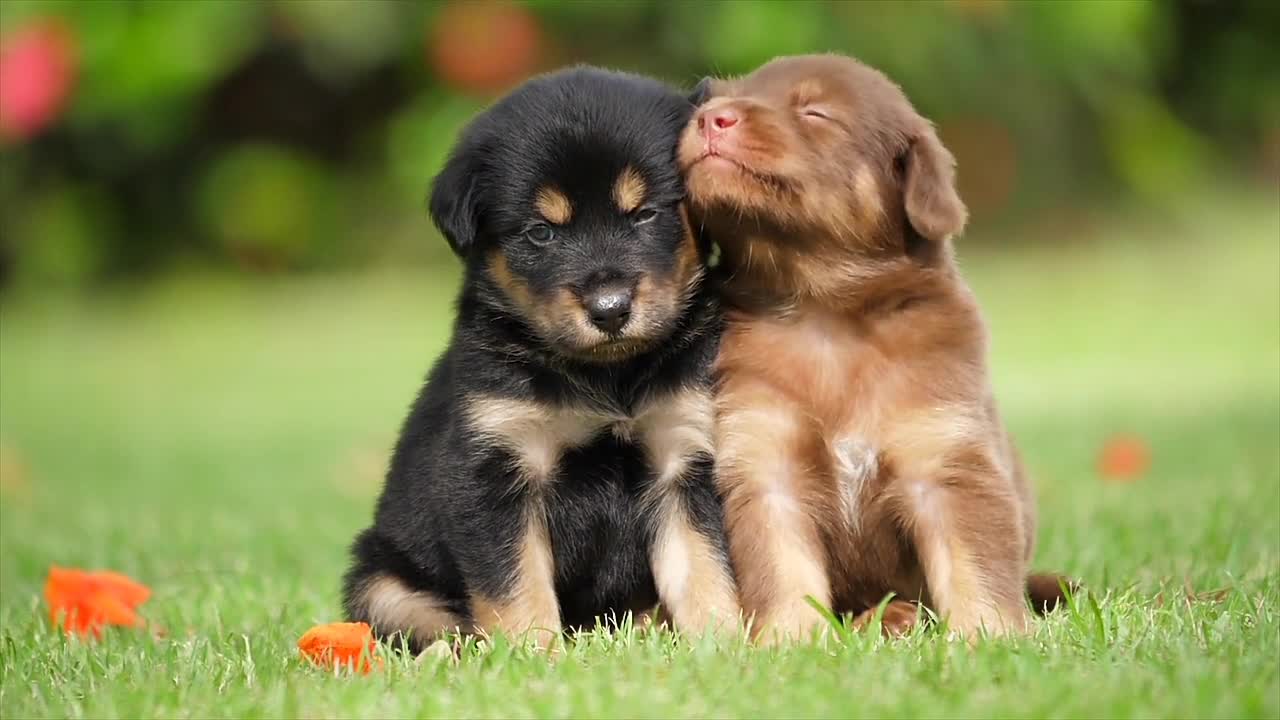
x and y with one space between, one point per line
859 449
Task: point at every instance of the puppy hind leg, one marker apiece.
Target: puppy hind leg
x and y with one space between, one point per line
385 589
395 610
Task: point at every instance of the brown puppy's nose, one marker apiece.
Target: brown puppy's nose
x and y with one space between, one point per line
716 122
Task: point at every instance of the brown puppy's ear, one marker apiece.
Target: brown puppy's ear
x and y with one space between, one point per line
934 208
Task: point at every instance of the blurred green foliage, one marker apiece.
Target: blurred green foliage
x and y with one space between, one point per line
289 135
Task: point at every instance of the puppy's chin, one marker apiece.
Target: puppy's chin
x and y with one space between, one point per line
609 351
573 338
731 188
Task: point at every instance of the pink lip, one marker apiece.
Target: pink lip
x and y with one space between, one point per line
721 157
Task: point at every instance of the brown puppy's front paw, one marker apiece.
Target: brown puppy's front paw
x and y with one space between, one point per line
900 617
973 622
794 622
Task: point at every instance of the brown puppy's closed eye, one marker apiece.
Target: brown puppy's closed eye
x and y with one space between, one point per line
858 445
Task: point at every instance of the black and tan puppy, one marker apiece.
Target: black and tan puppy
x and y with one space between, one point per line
556 467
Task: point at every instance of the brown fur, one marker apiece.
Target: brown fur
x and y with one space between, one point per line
858 444
629 190
554 206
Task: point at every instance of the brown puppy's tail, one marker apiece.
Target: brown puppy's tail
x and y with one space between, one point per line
1045 590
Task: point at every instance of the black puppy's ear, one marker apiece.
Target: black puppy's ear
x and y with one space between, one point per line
934 208
453 202
702 92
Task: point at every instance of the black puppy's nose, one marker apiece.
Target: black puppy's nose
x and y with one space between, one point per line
608 307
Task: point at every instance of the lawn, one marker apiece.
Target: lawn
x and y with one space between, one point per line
222 440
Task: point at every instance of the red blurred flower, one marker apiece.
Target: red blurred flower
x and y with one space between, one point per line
1124 458
83 602
37 70
485 47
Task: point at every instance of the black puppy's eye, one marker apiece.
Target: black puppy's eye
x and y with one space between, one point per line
540 234
645 214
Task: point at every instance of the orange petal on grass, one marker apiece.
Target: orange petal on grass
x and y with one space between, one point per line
119 585
346 644
83 602
112 610
1124 458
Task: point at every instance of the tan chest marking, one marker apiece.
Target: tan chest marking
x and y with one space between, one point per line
673 430
536 433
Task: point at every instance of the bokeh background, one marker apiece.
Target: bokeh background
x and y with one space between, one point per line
220 290
283 137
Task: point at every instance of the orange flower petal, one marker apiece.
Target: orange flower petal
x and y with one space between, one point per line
83 602
109 609
128 590
80 621
61 584
61 592
340 644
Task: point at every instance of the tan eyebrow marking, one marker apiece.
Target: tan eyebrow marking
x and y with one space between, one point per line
629 190
553 205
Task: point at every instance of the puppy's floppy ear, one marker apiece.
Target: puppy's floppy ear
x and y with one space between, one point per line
702 92
934 208
453 201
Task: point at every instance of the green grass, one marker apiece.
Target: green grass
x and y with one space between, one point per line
222 440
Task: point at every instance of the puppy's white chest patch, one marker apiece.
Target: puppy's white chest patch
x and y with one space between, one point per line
856 463
673 430
536 433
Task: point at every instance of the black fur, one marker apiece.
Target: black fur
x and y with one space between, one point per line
451 510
